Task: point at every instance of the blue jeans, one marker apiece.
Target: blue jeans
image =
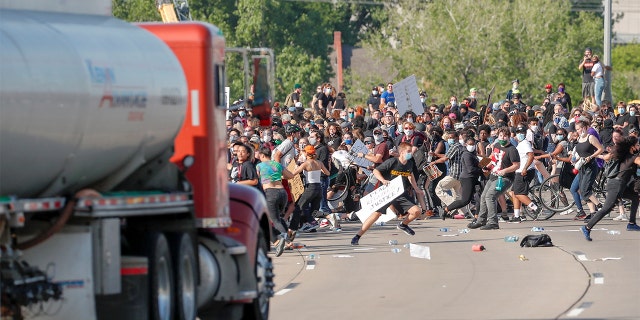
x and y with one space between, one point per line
324 205
575 186
599 88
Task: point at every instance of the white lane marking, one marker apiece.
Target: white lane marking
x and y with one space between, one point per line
363 249
342 256
598 278
282 292
578 310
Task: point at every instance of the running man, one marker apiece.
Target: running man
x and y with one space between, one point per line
403 166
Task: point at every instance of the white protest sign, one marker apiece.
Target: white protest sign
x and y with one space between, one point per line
418 251
408 96
378 198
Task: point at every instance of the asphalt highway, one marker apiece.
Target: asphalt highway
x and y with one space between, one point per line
575 279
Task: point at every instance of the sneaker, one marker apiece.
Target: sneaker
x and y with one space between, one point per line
305 227
291 234
598 206
310 226
504 219
622 217
354 241
324 223
280 245
580 216
633 227
475 225
587 233
490 227
336 229
406 229
516 219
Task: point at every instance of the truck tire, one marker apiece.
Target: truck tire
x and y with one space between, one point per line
161 287
259 308
185 266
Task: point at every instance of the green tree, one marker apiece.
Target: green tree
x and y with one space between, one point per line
453 45
135 10
626 72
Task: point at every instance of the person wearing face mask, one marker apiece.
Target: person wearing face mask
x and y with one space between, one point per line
505 160
560 154
587 148
326 100
373 103
453 105
622 119
437 149
402 166
523 177
468 178
563 97
634 117
379 151
285 152
448 188
388 95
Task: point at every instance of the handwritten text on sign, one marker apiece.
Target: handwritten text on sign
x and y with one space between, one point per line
380 197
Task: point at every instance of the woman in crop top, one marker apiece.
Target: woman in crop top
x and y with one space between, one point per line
588 148
312 195
270 173
626 153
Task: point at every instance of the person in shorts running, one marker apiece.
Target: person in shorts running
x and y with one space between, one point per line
403 166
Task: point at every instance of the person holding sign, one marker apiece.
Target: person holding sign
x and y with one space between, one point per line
405 167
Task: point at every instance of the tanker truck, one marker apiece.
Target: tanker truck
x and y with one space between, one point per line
114 198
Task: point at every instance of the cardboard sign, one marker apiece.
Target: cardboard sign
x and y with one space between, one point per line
363 163
379 198
408 96
295 185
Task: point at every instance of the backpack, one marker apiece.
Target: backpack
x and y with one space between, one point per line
536 240
288 102
540 142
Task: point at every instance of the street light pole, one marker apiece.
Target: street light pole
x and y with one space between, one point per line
607 50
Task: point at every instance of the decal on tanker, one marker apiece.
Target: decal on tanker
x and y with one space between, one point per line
115 98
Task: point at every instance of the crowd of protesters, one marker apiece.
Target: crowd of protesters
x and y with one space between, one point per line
521 142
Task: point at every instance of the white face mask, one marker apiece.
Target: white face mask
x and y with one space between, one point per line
408 133
534 128
327 91
454 103
312 141
471 148
266 138
374 92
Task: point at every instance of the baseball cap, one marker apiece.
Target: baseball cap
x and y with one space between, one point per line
297 86
377 130
472 90
368 139
345 124
548 86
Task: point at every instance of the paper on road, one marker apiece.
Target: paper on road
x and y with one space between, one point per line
418 251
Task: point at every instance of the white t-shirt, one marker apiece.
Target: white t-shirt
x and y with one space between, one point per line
597 70
524 147
288 152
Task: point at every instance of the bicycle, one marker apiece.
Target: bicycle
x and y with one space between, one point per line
344 186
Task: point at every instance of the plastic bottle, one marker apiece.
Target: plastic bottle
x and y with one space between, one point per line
465 230
407 245
511 238
499 184
314 256
613 232
393 242
381 223
537 229
444 229
396 250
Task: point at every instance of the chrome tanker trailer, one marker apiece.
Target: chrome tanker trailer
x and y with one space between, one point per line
96 220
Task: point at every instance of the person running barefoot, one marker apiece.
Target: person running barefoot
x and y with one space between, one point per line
403 166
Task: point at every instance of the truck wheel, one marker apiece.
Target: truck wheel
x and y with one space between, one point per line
259 308
184 260
161 289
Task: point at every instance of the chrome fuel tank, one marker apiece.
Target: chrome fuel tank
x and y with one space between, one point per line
83 99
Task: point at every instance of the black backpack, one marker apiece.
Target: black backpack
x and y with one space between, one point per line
536 240
540 142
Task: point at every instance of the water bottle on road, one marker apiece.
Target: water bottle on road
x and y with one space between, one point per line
511 238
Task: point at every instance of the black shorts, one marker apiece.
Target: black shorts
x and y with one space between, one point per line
402 203
521 184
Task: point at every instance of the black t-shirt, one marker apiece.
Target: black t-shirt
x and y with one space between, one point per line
392 168
621 119
322 155
374 101
633 123
325 100
245 171
504 157
295 96
586 71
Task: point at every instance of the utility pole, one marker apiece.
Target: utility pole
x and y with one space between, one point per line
607 51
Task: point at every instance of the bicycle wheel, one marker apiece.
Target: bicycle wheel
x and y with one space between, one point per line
553 196
338 187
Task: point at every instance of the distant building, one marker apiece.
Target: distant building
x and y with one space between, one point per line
626 30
